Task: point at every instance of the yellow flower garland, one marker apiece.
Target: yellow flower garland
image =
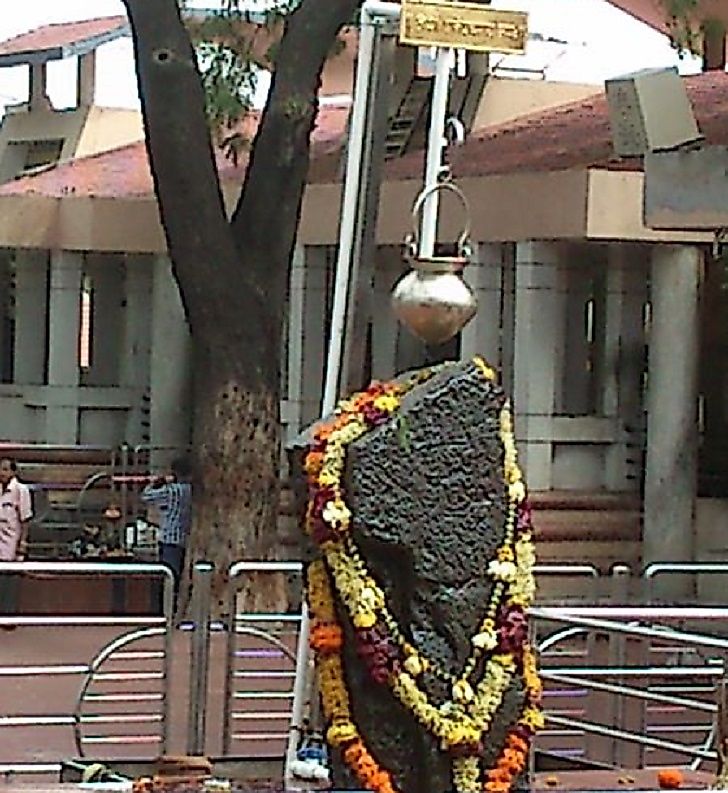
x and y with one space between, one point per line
463 721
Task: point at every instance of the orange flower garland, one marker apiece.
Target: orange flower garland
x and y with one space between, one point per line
334 697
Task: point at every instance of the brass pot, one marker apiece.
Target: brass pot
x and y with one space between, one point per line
432 300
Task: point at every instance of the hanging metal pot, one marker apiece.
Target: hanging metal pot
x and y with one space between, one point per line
432 300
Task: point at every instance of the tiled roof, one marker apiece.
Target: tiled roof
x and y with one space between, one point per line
124 172
62 39
576 135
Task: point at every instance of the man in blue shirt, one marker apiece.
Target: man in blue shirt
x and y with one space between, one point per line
172 496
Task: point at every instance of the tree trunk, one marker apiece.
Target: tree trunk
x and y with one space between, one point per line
714 46
236 441
233 275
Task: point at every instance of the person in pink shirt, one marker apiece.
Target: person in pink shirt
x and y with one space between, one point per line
16 510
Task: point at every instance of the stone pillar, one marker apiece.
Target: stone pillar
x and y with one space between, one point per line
64 322
170 367
307 335
538 356
138 282
482 335
621 366
672 398
31 317
385 328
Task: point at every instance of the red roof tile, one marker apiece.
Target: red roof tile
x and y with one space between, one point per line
54 40
124 172
576 135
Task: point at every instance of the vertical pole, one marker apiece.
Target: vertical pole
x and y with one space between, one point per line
230 646
672 415
344 274
168 613
365 251
302 687
199 657
435 147
350 203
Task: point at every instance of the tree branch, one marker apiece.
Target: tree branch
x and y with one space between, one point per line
180 152
279 161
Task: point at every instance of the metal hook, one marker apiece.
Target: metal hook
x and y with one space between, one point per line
463 241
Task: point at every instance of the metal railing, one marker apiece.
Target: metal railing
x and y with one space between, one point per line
263 655
96 674
615 675
636 691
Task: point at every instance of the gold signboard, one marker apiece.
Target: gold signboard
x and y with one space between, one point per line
469 26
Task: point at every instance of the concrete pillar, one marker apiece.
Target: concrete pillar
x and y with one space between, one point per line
86 78
64 321
482 335
385 328
538 356
38 95
307 335
136 344
6 352
576 391
621 365
293 360
170 366
672 398
508 316
31 317
106 277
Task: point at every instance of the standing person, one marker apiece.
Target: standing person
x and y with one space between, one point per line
16 509
172 495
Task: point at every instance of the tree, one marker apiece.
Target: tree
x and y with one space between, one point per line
232 273
691 31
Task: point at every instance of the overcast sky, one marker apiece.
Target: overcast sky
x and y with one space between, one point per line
603 42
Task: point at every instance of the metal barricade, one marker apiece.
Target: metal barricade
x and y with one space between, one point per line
262 658
199 657
125 684
585 577
633 709
686 576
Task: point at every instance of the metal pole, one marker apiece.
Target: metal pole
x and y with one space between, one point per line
350 203
372 14
435 147
342 286
302 687
168 613
199 657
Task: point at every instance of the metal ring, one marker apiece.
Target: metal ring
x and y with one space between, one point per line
464 237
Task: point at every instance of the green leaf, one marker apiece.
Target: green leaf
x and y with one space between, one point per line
228 63
403 432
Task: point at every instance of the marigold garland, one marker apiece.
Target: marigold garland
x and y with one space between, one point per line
461 723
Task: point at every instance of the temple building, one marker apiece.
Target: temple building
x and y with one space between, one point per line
604 330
